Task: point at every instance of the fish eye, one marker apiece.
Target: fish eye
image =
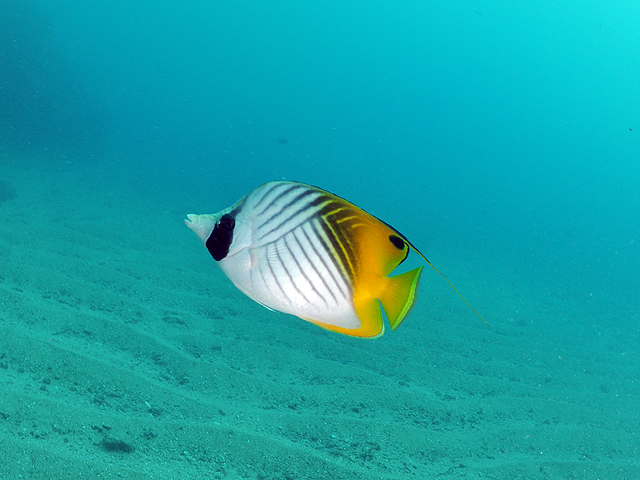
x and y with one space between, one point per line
397 242
226 223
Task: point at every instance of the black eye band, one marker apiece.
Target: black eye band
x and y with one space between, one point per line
226 223
221 237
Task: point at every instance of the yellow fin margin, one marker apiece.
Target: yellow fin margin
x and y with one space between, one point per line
399 296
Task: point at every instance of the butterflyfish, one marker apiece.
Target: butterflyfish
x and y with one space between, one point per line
301 250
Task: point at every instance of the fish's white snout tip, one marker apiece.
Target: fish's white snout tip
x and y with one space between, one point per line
191 221
201 225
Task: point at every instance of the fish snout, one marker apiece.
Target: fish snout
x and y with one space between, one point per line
202 225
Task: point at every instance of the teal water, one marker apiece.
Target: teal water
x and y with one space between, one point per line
503 140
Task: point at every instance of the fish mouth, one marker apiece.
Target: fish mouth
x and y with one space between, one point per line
201 225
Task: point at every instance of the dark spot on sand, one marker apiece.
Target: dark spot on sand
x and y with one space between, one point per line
116 446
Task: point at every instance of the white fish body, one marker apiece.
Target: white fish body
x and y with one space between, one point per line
301 250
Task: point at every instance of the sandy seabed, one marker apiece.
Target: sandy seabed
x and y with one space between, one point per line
126 353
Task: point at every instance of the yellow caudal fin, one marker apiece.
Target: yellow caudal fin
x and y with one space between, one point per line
399 295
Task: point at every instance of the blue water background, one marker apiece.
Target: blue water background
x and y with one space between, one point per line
502 138
510 132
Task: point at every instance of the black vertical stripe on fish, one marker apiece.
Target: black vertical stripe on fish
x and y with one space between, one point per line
292 203
332 214
279 202
314 266
341 244
306 208
288 207
302 270
324 264
296 208
287 189
257 203
275 277
328 252
345 219
349 253
286 270
290 223
336 253
264 280
265 195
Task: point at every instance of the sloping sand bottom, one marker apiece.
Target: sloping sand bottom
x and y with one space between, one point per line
125 353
